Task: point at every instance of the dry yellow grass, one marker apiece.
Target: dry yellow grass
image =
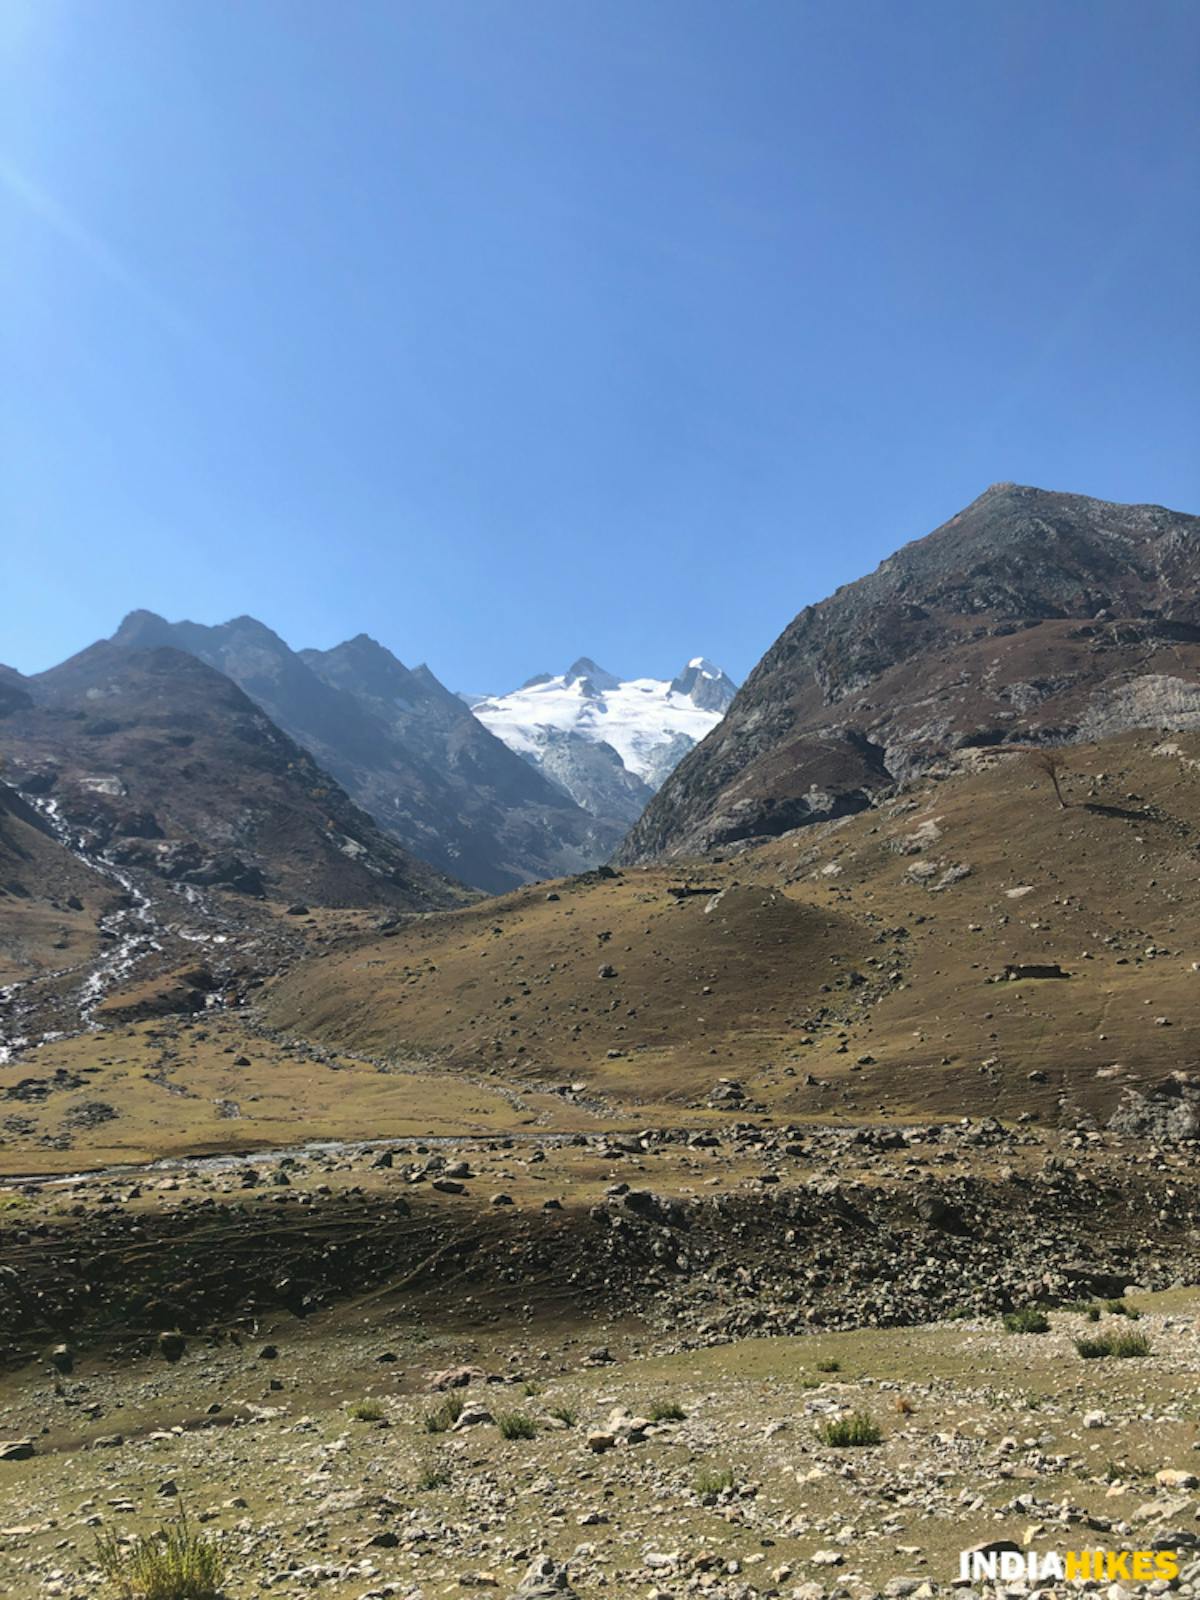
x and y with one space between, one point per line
703 989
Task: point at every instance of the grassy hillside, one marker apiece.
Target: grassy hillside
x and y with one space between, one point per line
858 954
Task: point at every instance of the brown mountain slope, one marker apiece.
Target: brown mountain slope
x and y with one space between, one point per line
1029 616
50 901
159 762
843 970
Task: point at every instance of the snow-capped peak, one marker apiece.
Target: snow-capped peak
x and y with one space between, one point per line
586 670
705 685
649 723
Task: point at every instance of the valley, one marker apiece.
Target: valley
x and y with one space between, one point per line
546 1242
715 1120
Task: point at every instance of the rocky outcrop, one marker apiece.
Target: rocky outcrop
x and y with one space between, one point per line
1166 1114
593 774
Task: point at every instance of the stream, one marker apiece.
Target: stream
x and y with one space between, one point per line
129 934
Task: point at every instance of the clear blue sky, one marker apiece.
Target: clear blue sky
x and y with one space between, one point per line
510 330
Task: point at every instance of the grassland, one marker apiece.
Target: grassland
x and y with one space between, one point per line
824 971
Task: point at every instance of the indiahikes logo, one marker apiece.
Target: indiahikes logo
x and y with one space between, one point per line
1010 1564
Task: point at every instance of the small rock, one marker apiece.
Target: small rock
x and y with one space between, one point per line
1176 1478
473 1416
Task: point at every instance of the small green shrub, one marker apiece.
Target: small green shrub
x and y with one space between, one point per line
1093 1313
667 1411
432 1473
1122 1345
1122 1308
829 1365
516 1425
564 1414
712 1481
366 1411
172 1564
857 1429
443 1417
1028 1320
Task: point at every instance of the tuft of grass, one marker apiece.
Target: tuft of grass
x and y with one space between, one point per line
667 1411
1094 1349
1122 1308
1027 1320
366 1410
442 1418
712 1481
1093 1313
564 1414
829 1365
516 1425
1122 1345
1131 1344
433 1473
173 1563
858 1428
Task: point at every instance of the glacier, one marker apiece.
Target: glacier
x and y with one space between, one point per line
643 726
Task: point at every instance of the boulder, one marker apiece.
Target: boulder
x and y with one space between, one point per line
545 1579
455 1378
62 1358
171 1346
1166 1114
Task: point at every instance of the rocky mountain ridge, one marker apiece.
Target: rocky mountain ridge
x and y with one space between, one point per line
160 763
404 748
1031 616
